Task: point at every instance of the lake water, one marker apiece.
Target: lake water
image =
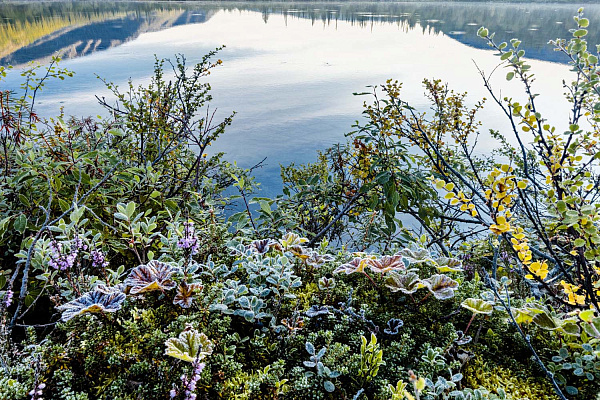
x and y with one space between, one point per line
289 69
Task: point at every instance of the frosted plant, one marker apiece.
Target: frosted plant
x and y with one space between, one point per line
155 275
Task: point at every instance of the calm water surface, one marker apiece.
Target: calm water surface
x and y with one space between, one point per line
289 69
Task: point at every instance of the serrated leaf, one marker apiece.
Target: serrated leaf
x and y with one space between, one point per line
478 306
190 346
100 299
441 286
545 321
184 296
155 275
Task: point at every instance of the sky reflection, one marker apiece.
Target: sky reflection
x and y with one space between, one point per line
291 80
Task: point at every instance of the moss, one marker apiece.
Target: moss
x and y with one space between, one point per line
480 373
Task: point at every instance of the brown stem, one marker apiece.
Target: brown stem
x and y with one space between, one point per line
469 324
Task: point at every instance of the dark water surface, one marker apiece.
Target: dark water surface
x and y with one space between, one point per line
289 68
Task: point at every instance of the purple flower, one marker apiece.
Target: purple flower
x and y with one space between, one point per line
189 241
8 297
98 259
37 391
78 244
189 385
61 261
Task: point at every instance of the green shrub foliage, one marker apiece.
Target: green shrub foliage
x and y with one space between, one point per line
122 278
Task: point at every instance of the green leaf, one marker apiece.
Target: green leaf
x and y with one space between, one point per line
130 209
586 315
510 76
265 206
189 346
593 328
580 33
506 55
64 206
570 328
571 390
24 200
545 321
329 386
478 306
20 223
579 243
4 225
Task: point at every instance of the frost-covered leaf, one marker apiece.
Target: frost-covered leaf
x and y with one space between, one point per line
189 346
393 325
478 306
329 386
447 264
389 263
546 321
416 255
155 275
462 339
291 241
101 299
569 327
301 252
405 283
441 286
356 265
522 315
317 260
317 310
185 292
592 328
262 246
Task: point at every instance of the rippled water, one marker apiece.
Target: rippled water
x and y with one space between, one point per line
289 69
